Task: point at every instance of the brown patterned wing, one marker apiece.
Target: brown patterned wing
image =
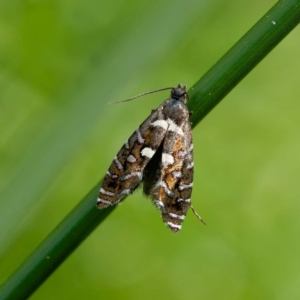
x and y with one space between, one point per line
171 188
126 171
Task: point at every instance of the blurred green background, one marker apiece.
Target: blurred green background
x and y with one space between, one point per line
61 62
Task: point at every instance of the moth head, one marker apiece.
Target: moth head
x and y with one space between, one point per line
180 93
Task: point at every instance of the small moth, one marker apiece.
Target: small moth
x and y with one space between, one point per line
158 154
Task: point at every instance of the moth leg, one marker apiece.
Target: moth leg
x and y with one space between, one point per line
197 215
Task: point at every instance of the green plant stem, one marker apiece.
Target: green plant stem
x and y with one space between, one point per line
280 20
204 95
55 248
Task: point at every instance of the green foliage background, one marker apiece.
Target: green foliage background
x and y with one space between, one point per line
61 62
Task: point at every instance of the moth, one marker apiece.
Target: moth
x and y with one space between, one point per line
158 154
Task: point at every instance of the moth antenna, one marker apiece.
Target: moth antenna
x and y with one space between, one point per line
140 95
197 215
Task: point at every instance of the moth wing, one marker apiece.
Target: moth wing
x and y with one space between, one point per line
126 171
173 187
